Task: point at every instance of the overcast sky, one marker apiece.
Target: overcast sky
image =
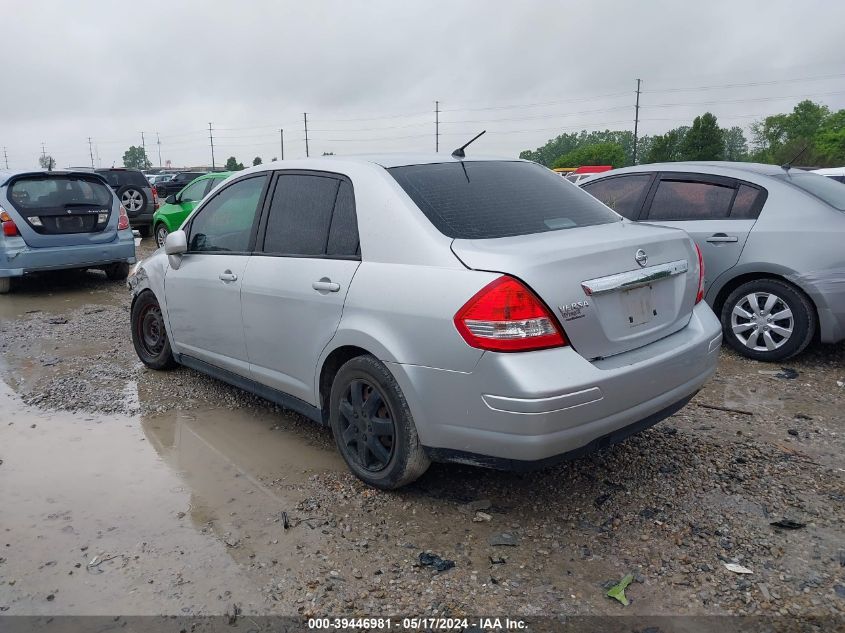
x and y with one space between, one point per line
368 72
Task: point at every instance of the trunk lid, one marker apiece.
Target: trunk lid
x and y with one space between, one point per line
605 299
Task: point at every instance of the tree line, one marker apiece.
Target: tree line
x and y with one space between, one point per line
810 135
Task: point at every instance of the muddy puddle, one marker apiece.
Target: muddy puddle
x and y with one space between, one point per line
106 514
58 292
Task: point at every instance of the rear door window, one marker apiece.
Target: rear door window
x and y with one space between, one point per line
226 221
491 199
677 200
195 191
59 192
748 202
623 194
312 214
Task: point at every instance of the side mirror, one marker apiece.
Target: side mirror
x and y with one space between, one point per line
171 199
175 245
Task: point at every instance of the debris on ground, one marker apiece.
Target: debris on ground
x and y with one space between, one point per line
285 524
481 517
785 373
475 506
496 561
788 524
503 538
617 591
792 432
428 559
716 407
737 569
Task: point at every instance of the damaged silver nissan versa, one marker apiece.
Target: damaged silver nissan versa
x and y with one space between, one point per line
427 308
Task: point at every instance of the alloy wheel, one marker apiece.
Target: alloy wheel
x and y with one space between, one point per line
132 200
368 432
762 321
161 235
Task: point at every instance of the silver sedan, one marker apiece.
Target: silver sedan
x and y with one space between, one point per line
429 308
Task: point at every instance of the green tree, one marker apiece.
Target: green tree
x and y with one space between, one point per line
666 147
830 140
554 148
781 137
274 159
256 161
47 162
704 141
136 158
597 154
232 164
736 146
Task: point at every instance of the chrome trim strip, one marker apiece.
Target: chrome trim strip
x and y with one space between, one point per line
634 278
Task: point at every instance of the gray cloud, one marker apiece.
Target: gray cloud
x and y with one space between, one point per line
110 70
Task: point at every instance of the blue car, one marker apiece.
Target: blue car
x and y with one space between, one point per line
56 220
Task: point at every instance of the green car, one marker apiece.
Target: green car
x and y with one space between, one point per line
178 206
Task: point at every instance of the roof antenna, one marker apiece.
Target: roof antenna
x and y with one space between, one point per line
788 165
459 153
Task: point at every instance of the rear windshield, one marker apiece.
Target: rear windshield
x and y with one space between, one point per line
489 199
827 189
40 192
119 178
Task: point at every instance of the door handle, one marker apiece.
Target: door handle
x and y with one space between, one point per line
325 285
719 238
228 275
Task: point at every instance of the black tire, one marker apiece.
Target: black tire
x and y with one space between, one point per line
5 285
361 432
762 336
118 271
133 199
148 334
161 233
145 230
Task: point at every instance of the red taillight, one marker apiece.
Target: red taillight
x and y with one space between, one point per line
700 294
505 316
122 219
155 196
9 227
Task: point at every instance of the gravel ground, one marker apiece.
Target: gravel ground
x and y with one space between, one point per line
671 506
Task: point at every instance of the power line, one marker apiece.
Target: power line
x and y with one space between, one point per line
756 99
541 104
746 84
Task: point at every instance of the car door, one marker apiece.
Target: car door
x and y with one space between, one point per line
188 199
717 212
296 282
624 194
204 293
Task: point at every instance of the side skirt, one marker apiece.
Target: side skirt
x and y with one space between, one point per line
262 391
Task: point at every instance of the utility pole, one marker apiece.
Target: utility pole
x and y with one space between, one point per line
144 147
211 139
6 158
91 152
436 126
43 151
636 120
282 139
158 142
305 116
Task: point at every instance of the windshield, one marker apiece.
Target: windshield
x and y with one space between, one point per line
490 199
826 189
43 192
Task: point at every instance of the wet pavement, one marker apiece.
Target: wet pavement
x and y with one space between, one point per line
135 492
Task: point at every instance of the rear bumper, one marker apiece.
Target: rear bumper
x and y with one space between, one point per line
547 405
145 217
19 260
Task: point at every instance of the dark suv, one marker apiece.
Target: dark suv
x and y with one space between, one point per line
136 195
177 183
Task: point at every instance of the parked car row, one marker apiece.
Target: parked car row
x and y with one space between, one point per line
771 239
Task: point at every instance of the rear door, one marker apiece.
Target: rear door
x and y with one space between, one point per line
296 283
204 293
717 212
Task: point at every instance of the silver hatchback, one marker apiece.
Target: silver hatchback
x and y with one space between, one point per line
426 308
772 241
